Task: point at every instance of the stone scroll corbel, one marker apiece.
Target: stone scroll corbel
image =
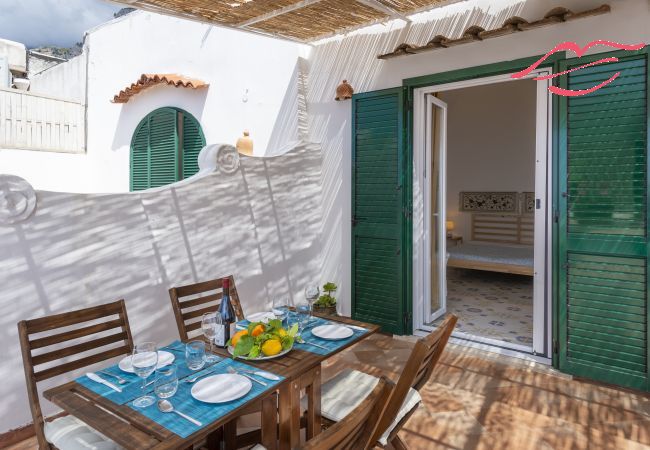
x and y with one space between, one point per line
218 157
17 199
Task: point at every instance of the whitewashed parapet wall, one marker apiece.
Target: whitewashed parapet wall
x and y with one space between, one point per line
261 223
31 121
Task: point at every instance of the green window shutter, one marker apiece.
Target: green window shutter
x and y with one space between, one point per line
378 220
140 157
163 147
193 142
603 227
156 148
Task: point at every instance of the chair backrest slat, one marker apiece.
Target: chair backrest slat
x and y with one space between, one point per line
418 369
78 348
355 431
75 334
202 300
188 311
82 362
94 343
72 318
197 313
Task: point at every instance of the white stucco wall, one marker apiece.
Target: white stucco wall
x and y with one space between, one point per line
65 80
354 58
120 51
262 224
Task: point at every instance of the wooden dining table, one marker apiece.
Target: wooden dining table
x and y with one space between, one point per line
281 417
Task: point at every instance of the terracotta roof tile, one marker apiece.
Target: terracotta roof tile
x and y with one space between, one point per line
147 80
513 25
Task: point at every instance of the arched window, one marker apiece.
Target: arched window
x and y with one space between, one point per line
165 148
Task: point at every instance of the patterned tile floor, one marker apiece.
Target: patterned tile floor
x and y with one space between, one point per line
493 305
484 401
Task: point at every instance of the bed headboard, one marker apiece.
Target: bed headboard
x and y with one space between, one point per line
503 228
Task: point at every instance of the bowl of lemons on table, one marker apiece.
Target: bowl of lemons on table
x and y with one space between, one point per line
260 341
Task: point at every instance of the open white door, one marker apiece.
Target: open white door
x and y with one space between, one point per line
436 207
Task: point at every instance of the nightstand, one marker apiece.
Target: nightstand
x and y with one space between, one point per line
454 241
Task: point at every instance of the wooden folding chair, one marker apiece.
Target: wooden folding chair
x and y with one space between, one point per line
191 301
356 430
404 398
90 330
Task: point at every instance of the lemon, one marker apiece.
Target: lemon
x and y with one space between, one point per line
259 329
271 347
282 332
236 337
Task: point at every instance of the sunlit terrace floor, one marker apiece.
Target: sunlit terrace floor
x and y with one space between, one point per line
487 401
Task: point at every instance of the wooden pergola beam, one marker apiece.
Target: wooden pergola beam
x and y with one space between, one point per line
375 4
275 13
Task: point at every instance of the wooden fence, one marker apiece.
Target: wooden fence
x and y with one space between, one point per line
39 122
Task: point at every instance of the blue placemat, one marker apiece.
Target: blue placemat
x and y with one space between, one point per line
203 412
133 389
331 346
307 335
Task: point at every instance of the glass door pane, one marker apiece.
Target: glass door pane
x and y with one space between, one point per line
436 140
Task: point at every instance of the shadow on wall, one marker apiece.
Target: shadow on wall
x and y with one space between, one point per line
262 224
290 128
354 57
137 108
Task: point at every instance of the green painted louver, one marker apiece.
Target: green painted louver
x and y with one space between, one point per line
163 144
377 209
193 142
603 311
156 148
140 158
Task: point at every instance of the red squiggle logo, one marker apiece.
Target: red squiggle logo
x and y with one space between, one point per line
579 51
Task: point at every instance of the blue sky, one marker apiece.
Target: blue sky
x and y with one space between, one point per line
52 22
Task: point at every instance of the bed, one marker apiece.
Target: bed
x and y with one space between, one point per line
500 243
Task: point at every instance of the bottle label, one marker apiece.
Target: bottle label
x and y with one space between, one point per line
220 335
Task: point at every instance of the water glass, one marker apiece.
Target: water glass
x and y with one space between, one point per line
144 362
195 355
281 308
209 327
303 311
166 383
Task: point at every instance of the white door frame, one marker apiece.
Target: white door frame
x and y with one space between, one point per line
433 102
421 213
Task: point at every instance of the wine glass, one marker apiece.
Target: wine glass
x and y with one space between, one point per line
281 308
209 327
312 293
144 362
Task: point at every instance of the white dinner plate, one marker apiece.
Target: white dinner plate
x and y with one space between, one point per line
332 332
164 359
221 388
263 316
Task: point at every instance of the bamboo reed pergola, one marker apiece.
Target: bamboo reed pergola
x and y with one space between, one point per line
297 20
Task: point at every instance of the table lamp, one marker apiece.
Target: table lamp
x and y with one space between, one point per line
450 225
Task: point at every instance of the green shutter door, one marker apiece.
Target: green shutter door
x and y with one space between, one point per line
163 145
378 220
603 227
193 142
